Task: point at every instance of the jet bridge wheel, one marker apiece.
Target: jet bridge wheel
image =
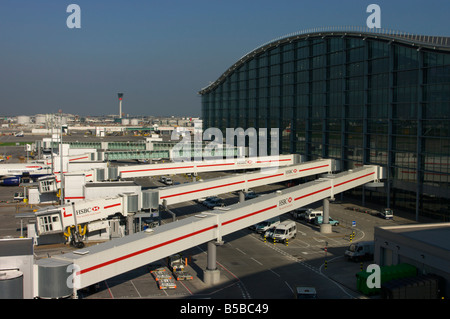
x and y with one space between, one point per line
75 236
79 244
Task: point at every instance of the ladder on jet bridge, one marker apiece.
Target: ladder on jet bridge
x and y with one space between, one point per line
103 261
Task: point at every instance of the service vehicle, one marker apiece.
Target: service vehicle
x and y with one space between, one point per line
306 293
319 220
177 264
300 213
19 197
386 213
283 231
311 215
262 227
250 195
209 199
215 202
161 273
362 250
168 181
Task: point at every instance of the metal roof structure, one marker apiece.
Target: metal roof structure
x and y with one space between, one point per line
419 41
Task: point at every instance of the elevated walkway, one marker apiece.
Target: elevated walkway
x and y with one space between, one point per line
97 263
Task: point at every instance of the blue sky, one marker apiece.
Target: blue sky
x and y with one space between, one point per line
159 53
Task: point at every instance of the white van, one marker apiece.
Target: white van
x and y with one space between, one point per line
362 250
284 231
387 213
300 213
312 214
265 225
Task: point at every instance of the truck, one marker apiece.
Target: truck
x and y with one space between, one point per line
282 232
262 227
362 250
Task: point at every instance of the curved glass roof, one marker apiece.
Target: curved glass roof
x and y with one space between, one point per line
420 41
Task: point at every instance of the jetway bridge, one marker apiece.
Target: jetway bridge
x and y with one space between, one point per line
101 171
97 263
243 163
146 150
131 199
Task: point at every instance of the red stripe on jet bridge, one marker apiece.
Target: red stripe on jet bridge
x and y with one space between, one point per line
354 179
272 161
155 169
313 193
308 169
248 215
203 189
111 206
168 242
209 165
144 250
75 159
259 178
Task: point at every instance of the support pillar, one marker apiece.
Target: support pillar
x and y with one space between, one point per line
241 196
211 275
325 227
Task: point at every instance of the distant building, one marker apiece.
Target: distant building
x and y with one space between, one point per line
360 96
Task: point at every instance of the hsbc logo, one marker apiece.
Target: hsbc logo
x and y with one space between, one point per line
87 210
291 171
285 201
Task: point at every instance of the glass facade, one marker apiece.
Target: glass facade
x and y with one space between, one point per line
356 98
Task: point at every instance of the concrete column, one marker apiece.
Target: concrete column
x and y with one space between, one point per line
212 254
211 275
325 227
130 224
241 196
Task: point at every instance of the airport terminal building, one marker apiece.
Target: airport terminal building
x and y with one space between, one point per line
358 95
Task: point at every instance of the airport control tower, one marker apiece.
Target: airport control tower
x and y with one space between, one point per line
120 95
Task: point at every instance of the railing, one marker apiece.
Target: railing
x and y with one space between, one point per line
426 39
